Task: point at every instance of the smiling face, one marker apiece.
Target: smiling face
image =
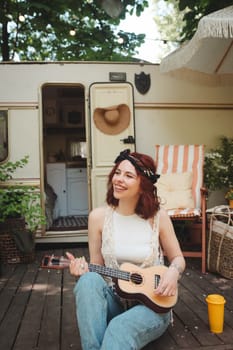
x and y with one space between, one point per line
126 182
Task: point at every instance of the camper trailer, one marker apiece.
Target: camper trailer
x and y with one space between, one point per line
73 118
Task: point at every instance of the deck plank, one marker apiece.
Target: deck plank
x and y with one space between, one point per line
51 318
31 323
201 286
69 333
9 286
19 289
182 335
190 309
37 309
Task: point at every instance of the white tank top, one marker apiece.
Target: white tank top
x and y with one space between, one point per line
130 239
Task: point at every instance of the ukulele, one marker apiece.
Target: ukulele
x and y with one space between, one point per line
132 282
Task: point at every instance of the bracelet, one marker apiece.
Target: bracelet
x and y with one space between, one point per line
177 267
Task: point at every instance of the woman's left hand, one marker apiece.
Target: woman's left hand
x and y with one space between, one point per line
168 283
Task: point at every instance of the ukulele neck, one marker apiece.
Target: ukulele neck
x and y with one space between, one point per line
102 270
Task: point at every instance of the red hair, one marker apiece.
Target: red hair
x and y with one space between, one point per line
148 203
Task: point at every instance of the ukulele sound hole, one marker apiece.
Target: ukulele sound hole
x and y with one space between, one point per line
157 279
136 278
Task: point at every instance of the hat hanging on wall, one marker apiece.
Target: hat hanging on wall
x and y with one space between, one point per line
112 120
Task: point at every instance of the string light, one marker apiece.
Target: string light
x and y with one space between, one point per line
21 18
165 41
120 40
72 32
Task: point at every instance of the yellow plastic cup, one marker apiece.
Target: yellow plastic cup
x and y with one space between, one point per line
216 304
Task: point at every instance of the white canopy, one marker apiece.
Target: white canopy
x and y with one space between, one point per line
209 52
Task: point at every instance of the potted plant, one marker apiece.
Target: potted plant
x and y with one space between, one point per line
20 215
218 167
229 197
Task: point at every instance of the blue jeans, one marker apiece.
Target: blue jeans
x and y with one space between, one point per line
105 325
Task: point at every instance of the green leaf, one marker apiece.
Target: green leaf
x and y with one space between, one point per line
45 32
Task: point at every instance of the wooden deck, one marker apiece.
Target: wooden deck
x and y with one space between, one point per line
37 309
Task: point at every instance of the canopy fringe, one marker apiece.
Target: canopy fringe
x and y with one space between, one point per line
216 25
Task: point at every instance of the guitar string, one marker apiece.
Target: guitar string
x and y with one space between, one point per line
125 275
137 277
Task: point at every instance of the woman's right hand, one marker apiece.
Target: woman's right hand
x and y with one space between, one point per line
78 266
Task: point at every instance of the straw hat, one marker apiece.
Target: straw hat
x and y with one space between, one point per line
112 120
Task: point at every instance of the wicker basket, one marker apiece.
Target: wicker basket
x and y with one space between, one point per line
220 244
9 252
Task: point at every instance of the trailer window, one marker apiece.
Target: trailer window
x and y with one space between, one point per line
3 136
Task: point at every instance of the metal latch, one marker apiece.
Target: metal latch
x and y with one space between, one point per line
129 139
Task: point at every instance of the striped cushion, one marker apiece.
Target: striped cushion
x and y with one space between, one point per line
184 213
182 158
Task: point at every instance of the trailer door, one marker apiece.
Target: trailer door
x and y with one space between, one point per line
112 130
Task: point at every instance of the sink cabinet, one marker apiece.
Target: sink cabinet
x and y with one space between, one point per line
77 198
70 186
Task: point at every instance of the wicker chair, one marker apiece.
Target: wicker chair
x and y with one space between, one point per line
180 188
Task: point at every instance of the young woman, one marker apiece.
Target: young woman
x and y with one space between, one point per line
131 228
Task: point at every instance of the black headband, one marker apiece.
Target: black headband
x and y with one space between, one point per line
144 170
